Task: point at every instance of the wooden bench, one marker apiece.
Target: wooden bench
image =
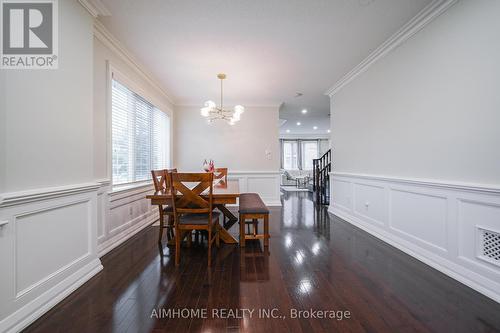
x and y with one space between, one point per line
253 208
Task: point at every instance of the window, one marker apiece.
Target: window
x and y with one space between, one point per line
290 155
140 136
299 154
308 153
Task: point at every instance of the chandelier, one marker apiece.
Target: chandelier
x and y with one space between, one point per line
213 112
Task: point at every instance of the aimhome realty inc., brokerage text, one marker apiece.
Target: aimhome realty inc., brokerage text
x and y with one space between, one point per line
263 313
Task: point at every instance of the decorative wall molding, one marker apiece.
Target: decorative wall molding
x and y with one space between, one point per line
265 183
22 197
28 291
107 245
110 41
424 17
103 182
124 211
435 222
483 188
95 7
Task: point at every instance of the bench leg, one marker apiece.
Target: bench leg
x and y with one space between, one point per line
255 223
266 230
242 230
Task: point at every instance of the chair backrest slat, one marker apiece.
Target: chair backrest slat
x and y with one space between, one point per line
161 179
188 198
220 173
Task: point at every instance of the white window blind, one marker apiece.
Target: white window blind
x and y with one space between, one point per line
140 136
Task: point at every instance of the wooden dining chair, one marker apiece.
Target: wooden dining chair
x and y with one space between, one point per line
220 173
220 177
161 181
193 209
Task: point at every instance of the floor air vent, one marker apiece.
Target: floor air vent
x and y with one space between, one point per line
489 248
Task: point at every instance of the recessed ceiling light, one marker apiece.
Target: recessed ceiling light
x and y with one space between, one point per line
288 131
304 111
328 131
298 123
315 127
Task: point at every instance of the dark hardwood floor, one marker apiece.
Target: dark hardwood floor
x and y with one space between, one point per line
315 261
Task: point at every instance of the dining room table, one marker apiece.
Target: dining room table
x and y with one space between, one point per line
225 192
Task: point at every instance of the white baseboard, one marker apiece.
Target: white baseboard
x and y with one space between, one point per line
435 222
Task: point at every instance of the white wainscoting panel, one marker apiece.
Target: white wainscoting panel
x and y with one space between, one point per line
48 248
343 193
420 217
370 203
441 224
265 183
38 253
124 212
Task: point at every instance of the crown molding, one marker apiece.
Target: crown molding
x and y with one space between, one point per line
417 23
110 41
95 7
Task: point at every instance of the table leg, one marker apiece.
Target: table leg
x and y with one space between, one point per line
227 213
225 236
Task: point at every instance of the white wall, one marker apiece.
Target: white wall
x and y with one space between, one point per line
240 147
48 209
3 119
415 145
430 108
122 212
48 113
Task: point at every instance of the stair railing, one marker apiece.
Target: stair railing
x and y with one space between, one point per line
321 178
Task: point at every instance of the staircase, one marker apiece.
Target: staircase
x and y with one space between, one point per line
321 178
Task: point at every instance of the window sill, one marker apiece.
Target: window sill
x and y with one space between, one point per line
116 189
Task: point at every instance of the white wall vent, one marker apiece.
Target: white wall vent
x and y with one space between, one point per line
489 246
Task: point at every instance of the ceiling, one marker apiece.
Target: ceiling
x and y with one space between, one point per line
270 49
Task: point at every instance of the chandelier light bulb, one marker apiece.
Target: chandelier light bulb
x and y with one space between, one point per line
239 109
210 104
